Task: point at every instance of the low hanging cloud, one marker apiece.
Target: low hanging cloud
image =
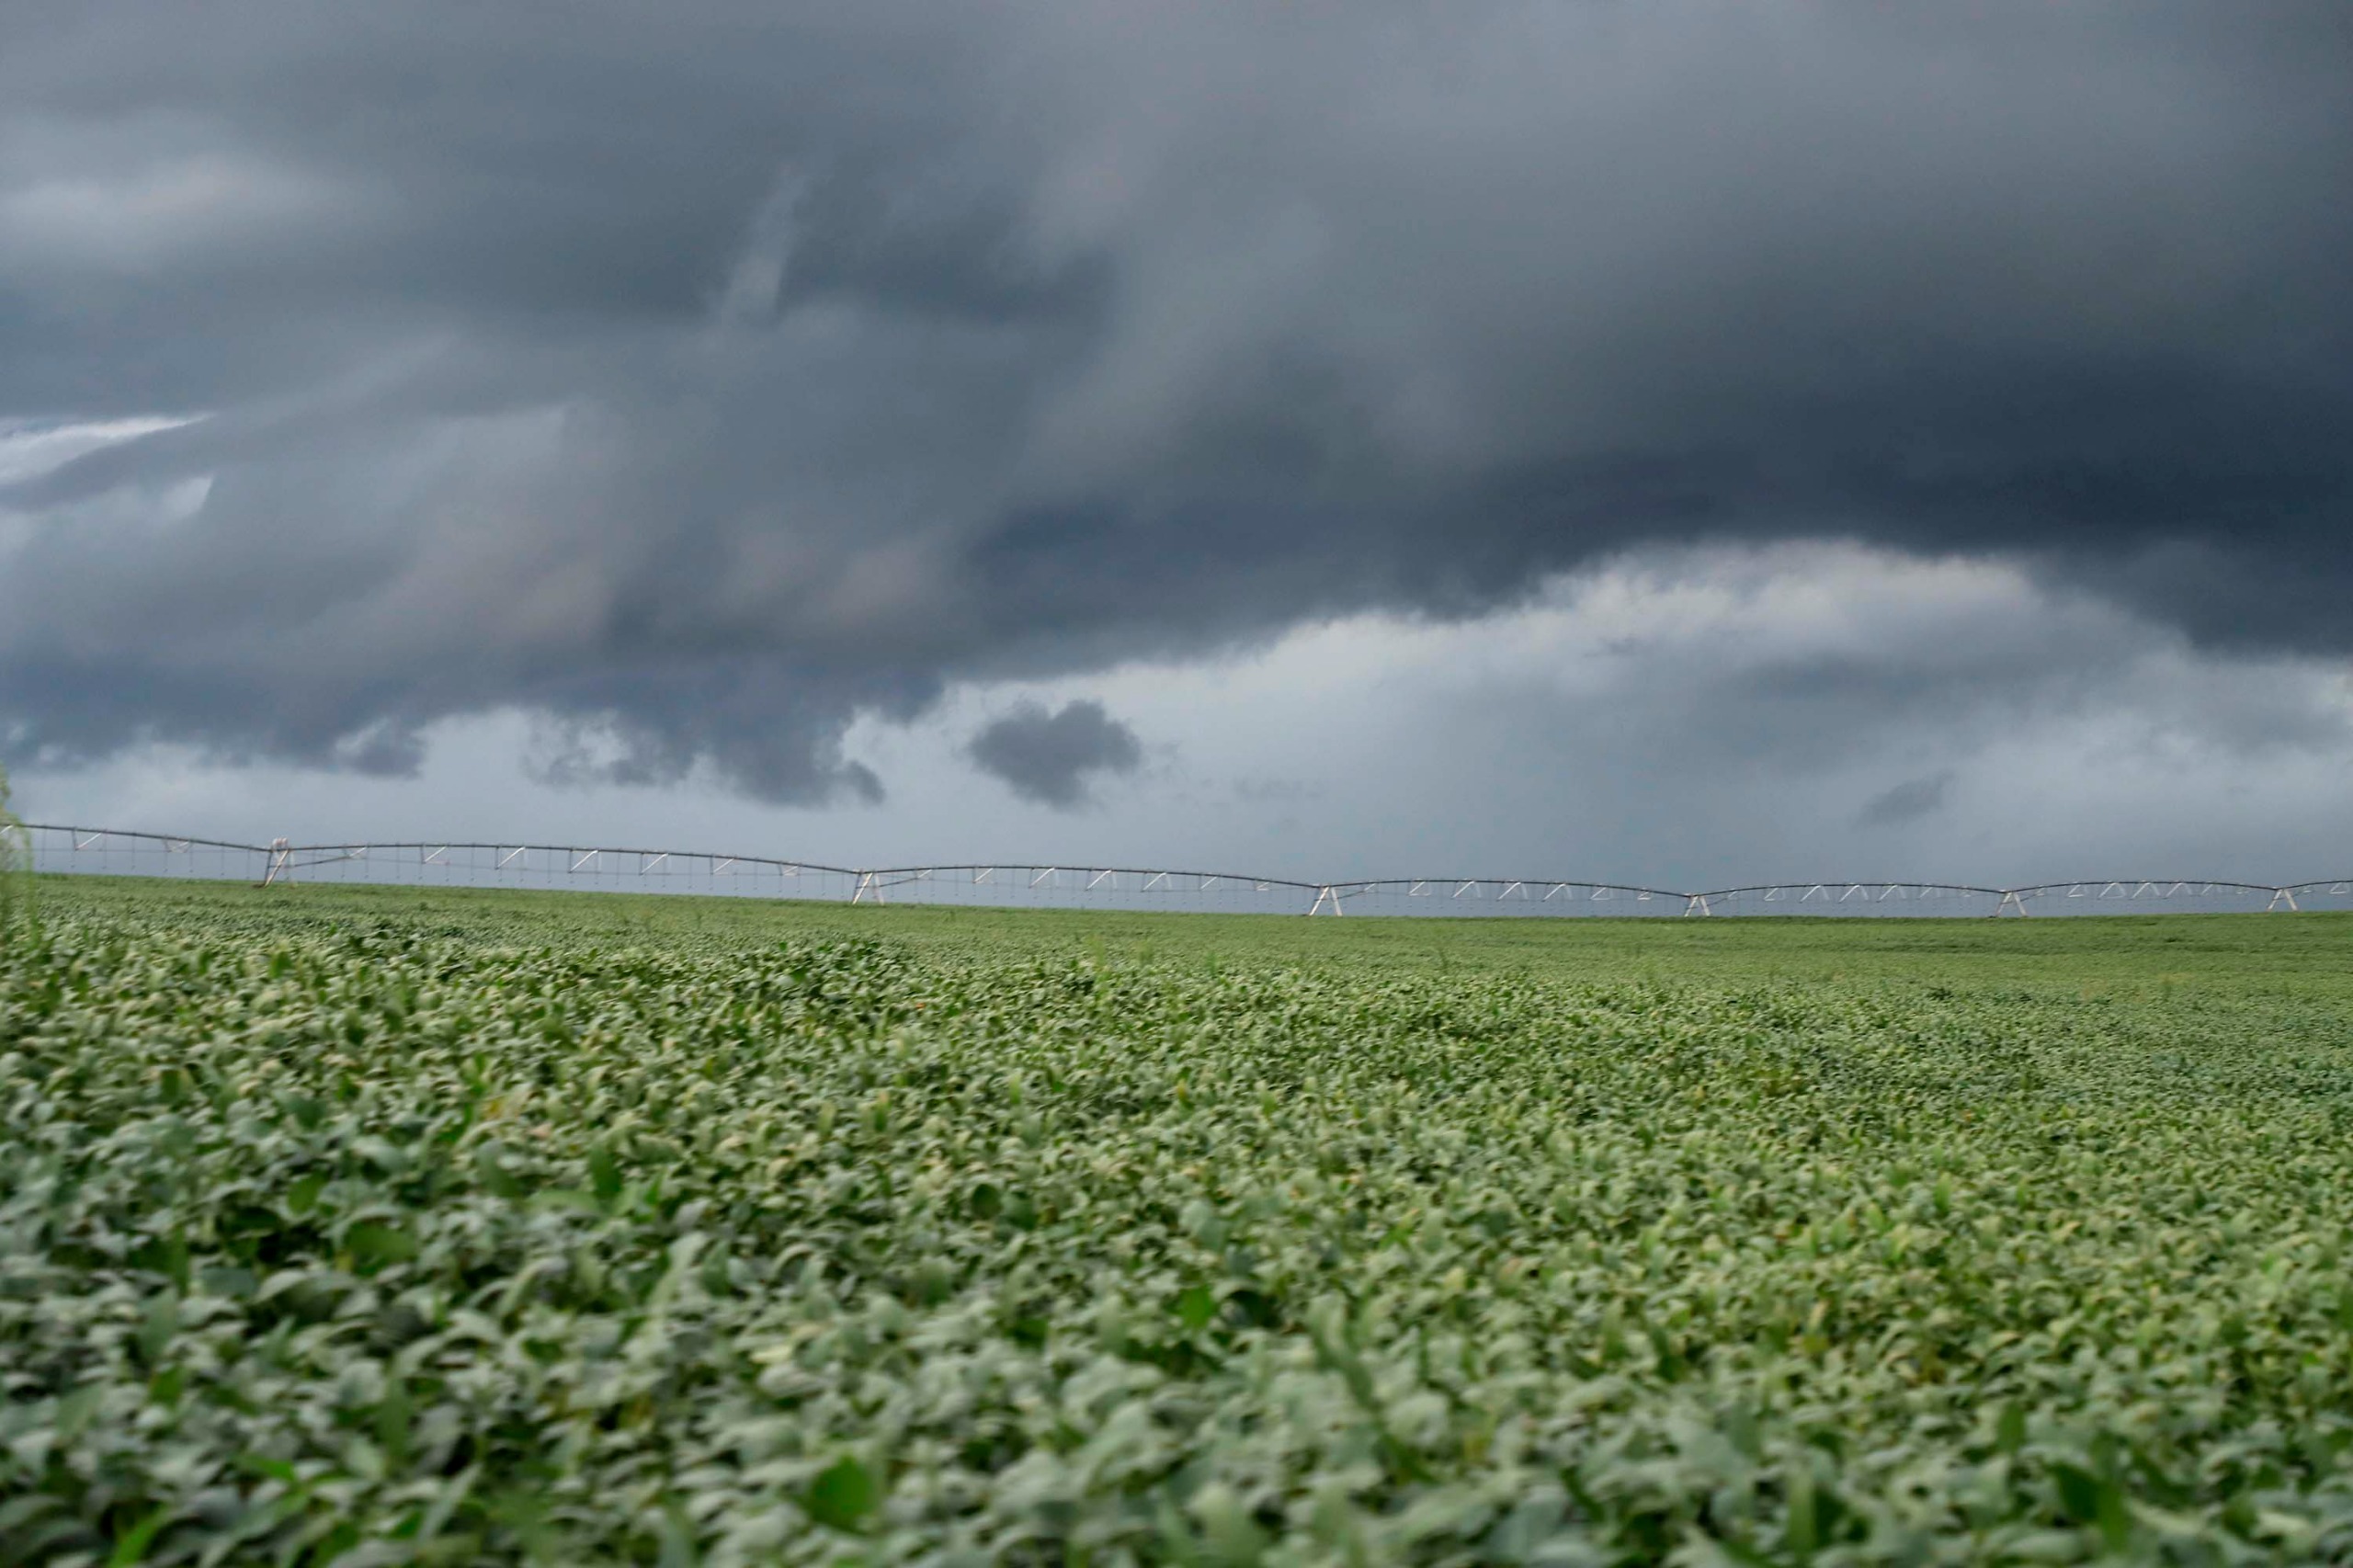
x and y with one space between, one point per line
1052 756
1907 801
1686 721
710 378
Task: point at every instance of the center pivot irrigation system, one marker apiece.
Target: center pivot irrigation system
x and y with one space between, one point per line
108 852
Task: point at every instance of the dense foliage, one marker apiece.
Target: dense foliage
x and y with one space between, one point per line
394 1239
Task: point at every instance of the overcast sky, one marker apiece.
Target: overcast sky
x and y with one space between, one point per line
1671 441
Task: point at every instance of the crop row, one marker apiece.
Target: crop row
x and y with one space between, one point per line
391 1247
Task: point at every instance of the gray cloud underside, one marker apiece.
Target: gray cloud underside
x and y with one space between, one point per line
700 377
1906 802
1051 757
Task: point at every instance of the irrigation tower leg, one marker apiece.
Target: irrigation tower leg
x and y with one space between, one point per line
2280 896
278 855
866 884
1696 906
1324 896
2010 901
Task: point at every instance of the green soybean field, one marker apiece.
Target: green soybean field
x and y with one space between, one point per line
365 1226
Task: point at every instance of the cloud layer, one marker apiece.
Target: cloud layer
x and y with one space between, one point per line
703 381
1052 756
1687 719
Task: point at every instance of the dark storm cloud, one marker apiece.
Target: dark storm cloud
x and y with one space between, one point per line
1906 802
698 377
1051 757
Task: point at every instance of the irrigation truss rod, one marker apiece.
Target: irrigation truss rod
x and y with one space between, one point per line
282 856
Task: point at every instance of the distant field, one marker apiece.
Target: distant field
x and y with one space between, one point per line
370 1225
2226 955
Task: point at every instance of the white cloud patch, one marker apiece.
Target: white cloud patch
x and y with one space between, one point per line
29 449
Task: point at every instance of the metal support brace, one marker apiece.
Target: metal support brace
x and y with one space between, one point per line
2010 901
865 884
278 855
2280 896
1322 897
1696 904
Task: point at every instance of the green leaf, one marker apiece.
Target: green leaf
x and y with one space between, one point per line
374 1245
604 1173
1803 1531
494 1176
132 1545
19 1512
2010 1431
842 1495
1194 1307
